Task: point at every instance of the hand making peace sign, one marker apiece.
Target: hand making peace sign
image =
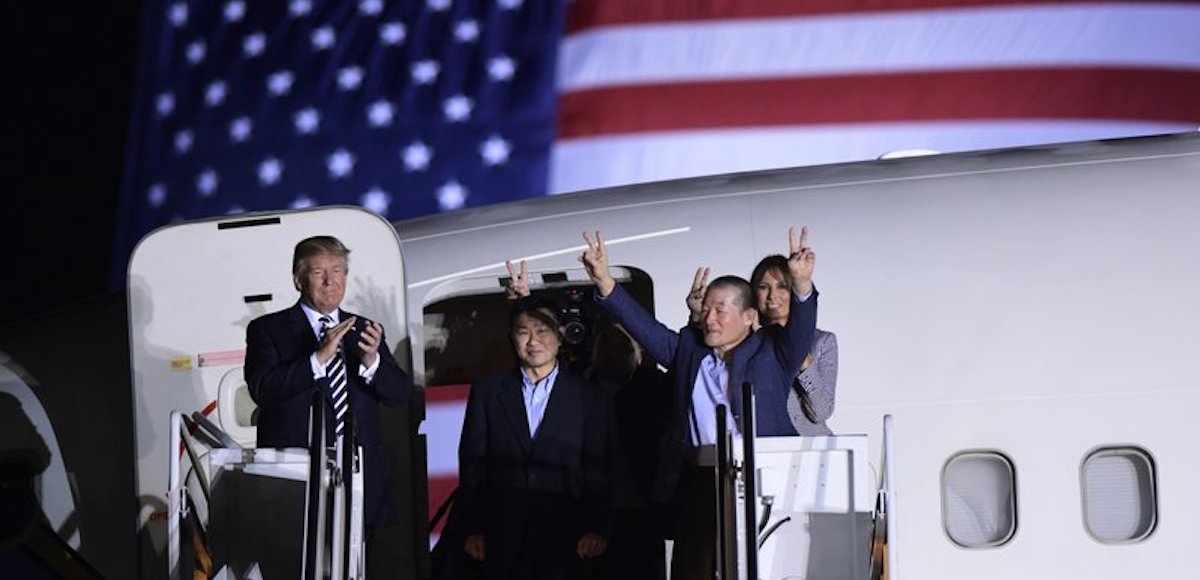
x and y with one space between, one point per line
801 261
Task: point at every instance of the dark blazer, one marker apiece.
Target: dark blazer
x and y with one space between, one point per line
280 378
768 359
532 498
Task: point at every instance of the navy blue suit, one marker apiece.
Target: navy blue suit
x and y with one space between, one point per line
769 359
532 498
280 377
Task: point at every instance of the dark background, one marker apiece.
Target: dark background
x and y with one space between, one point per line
69 74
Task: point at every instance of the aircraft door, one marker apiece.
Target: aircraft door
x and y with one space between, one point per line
193 288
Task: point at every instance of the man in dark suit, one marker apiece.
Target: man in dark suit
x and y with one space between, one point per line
533 460
710 363
286 363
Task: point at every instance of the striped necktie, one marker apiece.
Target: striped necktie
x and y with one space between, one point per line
336 371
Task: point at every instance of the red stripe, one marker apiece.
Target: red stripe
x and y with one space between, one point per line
440 489
588 14
447 393
1078 93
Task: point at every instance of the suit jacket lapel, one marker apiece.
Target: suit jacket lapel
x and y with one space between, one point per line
301 329
564 397
514 408
737 372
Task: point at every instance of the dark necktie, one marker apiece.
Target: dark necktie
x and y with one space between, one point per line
336 371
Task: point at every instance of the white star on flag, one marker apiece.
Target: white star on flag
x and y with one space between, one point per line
437 5
495 150
280 82
417 156
501 68
323 38
164 104
298 8
392 33
254 44
301 202
349 78
457 108
183 141
214 93
178 14
370 7
206 182
269 171
195 51
240 128
234 11
451 195
510 4
380 113
377 200
307 120
340 164
156 195
466 31
425 71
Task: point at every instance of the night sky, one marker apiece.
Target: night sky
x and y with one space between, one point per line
69 76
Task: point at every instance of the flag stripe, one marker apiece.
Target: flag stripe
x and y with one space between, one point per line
1085 93
581 164
447 393
1152 36
589 14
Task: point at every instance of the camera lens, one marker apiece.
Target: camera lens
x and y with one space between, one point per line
574 332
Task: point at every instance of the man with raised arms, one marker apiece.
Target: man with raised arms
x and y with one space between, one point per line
711 362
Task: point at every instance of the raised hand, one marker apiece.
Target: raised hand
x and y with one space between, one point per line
474 545
590 546
595 261
518 281
695 297
333 340
369 341
801 261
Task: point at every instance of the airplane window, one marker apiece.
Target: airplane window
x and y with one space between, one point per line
1119 503
466 335
979 500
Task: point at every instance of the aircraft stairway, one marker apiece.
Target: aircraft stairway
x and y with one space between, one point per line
802 507
258 513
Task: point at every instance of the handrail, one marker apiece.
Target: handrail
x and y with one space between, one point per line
314 533
726 527
750 480
889 490
173 495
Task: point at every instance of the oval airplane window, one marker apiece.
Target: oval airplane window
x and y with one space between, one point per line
1119 494
979 500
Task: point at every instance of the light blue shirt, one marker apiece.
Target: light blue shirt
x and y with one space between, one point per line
536 396
710 389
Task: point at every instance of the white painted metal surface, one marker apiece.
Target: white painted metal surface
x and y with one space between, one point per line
194 286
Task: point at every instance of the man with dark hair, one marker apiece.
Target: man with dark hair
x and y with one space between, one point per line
532 459
313 347
710 363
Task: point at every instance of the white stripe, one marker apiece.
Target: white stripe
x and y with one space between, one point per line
1133 35
338 403
442 427
581 164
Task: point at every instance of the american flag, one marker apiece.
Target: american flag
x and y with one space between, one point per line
405 108
422 106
